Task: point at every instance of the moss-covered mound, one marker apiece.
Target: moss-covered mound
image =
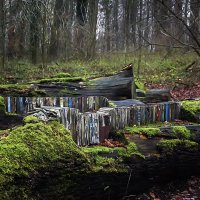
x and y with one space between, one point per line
190 110
149 132
2 106
62 75
177 144
111 159
38 146
181 132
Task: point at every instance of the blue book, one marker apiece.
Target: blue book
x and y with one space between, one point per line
167 112
8 105
70 102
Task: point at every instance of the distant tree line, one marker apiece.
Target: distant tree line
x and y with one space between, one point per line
47 30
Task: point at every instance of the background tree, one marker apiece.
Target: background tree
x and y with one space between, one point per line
49 30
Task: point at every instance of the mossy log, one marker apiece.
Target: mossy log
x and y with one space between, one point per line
142 174
68 176
190 110
113 87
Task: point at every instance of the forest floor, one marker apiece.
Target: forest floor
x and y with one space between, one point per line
178 67
177 190
179 71
179 92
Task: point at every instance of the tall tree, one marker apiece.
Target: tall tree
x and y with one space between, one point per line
80 32
195 20
55 29
116 24
92 22
107 10
34 29
3 32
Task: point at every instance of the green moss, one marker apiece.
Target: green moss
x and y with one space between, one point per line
37 146
97 150
2 106
61 80
66 92
181 132
31 120
20 90
127 151
175 144
106 164
149 132
189 109
62 75
111 159
140 85
37 93
131 149
111 105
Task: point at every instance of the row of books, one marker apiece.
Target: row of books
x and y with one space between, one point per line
94 127
89 119
23 105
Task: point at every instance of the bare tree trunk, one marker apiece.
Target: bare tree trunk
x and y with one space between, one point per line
115 24
44 39
92 22
127 24
3 33
80 32
68 32
133 21
34 30
55 30
106 4
147 25
12 30
140 39
177 26
194 20
186 20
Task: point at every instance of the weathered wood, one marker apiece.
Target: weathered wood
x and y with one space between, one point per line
158 95
94 127
113 87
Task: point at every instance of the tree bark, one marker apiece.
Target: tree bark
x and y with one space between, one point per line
34 30
3 33
55 30
92 22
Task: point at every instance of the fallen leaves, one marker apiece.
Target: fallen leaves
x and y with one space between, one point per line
111 143
178 190
179 94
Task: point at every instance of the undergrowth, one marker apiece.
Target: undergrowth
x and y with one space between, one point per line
155 67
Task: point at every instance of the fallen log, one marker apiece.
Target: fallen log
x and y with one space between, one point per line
113 87
158 95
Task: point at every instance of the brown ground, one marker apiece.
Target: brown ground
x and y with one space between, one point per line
179 91
177 190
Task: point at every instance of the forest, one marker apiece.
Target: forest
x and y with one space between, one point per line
54 30
99 99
